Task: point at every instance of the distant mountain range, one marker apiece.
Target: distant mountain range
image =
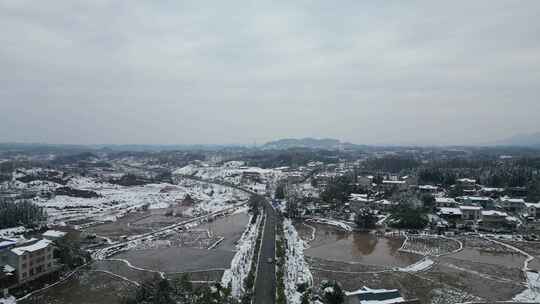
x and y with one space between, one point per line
522 140
310 143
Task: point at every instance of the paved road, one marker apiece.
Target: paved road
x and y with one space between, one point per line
265 286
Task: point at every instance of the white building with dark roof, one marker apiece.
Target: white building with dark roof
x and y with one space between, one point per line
29 258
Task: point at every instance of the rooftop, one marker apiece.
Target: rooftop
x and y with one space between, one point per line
427 187
449 211
367 295
513 200
54 234
393 182
445 200
494 213
470 207
475 198
41 244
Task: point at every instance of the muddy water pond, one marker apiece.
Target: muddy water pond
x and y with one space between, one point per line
230 227
186 258
359 247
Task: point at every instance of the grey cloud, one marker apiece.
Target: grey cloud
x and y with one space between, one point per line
232 72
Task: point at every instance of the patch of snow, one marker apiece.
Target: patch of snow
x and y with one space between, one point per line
11 232
160 205
331 222
532 293
296 268
242 260
421 265
54 234
8 300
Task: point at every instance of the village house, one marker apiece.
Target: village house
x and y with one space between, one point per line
462 215
471 214
466 183
532 210
27 259
8 273
428 189
513 205
445 202
399 185
383 205
475 216
452 215
491 192
485 202
322 179
493 220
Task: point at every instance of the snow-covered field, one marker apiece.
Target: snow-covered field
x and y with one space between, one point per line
232 172
296 268
115 200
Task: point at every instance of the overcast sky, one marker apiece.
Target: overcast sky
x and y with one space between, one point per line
174 72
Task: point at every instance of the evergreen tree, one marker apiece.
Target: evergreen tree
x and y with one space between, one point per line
365 219
332 292
280 192
20 213
533 191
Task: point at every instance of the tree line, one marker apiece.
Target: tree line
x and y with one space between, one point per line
179 291
20 213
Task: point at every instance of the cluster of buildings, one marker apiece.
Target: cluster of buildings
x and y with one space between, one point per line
486 213
24 260
478 207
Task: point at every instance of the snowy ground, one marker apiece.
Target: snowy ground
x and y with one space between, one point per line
8 300
231 172
241 263
296 267
115 200
332 222
422 265
12 232
532 293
